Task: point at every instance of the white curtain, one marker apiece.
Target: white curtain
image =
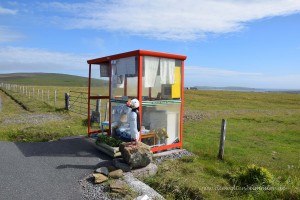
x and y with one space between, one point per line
151 67
167 71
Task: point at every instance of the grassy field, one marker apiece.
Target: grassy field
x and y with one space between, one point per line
29 119
35 119
262 129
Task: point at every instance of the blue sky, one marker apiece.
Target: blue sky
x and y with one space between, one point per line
227 43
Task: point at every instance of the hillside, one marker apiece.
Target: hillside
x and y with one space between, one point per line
246 89
46 79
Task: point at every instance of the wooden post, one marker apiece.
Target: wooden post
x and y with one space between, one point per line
222 140
32 92
48 97
67 101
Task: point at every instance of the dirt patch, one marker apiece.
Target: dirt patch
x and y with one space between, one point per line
195 116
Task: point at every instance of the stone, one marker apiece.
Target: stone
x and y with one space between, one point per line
99 178
111 168
102 170
118 186
149 170
116 174
120 164
143 197
136 156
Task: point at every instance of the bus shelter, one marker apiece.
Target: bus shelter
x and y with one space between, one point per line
156 79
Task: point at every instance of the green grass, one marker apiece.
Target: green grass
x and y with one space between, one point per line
262 129
25 125
16 104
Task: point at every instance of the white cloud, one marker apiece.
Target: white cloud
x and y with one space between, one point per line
6 11
19 59
171 19
7 35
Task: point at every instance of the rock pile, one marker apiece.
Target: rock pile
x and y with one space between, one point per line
135 159
136 156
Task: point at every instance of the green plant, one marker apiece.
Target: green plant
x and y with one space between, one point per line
255 176
114 142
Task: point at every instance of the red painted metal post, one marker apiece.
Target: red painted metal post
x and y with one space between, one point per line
109 104
182 103
140 89
89 94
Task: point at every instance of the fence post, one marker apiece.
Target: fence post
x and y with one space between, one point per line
67 101
48 96
222 140
38 95
42 94
32 92
97 105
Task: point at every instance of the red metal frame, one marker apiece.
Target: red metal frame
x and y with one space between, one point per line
89 103
140 92
139 54
136 53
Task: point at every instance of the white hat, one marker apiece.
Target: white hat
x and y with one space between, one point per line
134 103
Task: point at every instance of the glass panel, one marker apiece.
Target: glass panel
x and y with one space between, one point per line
132 87
124 78
99 80
161 78
99 87
161 124
99 112
120 124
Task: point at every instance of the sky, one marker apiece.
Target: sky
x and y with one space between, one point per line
245 43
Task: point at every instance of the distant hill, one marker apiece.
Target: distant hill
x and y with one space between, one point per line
232 88
49 79
245 89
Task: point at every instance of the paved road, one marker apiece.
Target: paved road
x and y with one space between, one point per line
48 170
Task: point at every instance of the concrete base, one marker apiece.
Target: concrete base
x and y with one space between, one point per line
164 153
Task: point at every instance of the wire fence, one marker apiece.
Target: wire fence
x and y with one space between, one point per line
76 102
32 92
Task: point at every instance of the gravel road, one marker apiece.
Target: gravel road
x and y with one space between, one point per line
49 170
